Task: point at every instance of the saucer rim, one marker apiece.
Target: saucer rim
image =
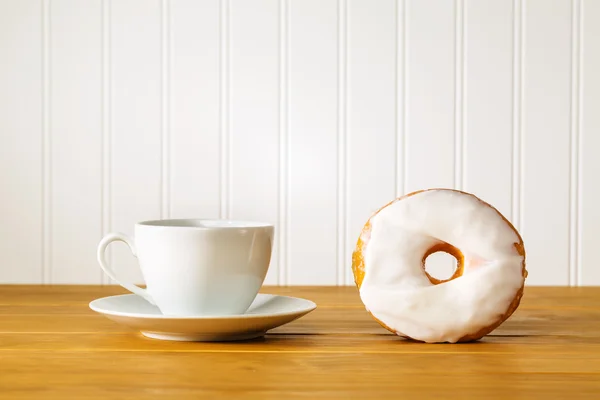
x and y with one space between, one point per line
310 306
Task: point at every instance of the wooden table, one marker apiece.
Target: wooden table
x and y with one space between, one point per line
53 346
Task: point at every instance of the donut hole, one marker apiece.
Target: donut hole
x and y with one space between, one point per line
441 265
443 262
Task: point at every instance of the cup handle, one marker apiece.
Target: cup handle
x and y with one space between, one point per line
121 237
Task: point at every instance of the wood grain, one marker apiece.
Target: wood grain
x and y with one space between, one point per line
53 346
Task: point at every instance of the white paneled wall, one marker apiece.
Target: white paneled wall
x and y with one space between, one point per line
310 114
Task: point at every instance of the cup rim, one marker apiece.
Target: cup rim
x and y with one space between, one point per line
205 223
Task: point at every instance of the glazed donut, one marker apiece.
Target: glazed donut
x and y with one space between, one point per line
388 264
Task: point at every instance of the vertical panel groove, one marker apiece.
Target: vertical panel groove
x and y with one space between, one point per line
397 105
46 148
165 56
516 134
283 143
459 94
580 78
404 139
288 130
105 168
521 152
400 96
342 145
224 109
463 103
574 181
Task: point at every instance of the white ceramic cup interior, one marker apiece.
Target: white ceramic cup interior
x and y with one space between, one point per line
197 267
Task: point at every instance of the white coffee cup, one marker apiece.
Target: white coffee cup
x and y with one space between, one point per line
195 267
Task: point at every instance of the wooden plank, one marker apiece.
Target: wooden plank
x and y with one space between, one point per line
252 375
534 297
527 326
529 323
337 342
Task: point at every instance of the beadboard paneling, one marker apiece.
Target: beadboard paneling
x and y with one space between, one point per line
193 62
253 123
313 131
431 66
430 94
307 114
136 164
24 128
545 138
587 120
487 102
75 68
372 131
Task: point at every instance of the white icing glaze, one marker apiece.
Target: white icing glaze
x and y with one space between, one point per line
395 288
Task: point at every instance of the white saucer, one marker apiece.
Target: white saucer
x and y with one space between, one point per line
268 311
